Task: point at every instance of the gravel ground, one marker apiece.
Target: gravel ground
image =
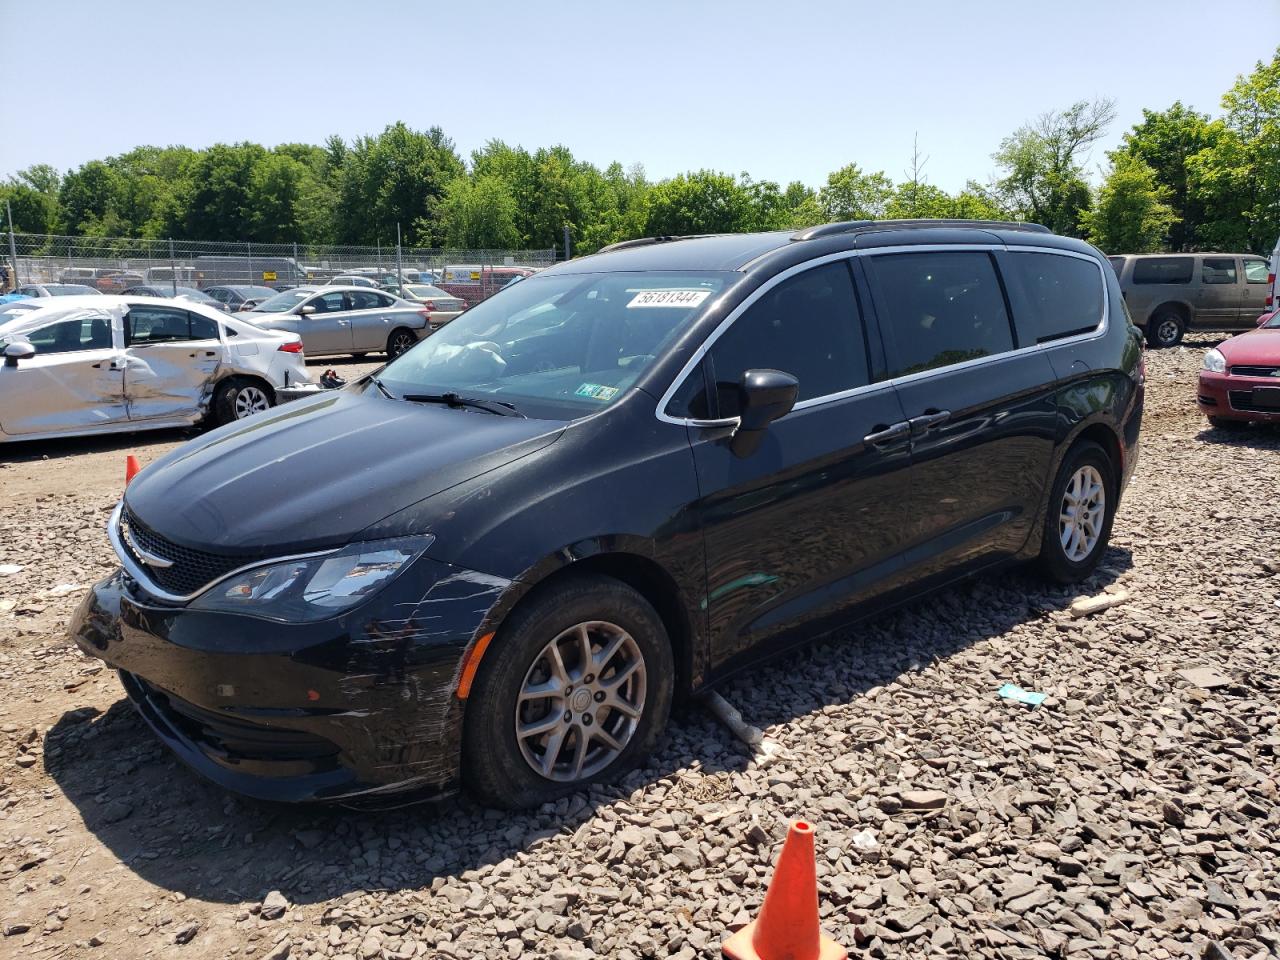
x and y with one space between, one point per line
1134 814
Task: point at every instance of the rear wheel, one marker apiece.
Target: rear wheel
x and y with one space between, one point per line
399 341
1165 329
1082 505
239 398
576 689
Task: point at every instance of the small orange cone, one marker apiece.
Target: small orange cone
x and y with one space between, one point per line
787 926
131 468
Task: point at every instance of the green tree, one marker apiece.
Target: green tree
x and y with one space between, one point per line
32 195
90 202
1042 165
1165 141
701 202
1132 213
479 213
215 200
850 194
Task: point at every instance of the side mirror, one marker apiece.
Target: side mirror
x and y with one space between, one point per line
306 310
19 350
766 396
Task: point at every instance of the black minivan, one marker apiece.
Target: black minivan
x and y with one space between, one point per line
495 561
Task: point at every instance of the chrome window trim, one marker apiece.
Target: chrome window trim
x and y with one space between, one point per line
1099 331
137 573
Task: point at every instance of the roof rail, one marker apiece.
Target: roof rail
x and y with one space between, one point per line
647 241
871 226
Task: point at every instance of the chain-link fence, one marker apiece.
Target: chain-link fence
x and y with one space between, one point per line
114 265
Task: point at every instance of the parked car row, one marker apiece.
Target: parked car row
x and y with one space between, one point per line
106 364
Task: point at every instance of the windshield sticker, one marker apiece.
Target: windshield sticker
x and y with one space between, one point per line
596 391
669 298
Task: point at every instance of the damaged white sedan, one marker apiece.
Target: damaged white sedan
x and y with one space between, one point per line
89 365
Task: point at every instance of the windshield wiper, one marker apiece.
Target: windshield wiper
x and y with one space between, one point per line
500 407
385 392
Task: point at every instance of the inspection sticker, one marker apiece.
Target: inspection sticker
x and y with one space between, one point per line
596 391
668 298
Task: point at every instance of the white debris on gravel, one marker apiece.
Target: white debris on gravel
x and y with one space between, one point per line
1135 814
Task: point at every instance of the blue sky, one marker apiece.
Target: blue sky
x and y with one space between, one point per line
783 90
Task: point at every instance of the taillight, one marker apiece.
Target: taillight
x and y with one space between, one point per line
1271 288
293 346
425 314
428 305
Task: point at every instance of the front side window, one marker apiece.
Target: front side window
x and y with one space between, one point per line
1218 270
559 346
148 325
939 309
68 336
1061 296
1163 270
808 326
329 302
1256 271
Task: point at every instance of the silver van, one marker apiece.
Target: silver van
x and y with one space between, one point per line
1171 293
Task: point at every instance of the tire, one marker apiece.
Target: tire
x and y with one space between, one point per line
1222 423
1072 564
497 764
238 398
1166 329
399 341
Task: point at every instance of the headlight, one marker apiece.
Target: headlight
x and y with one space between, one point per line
1215 362
313 588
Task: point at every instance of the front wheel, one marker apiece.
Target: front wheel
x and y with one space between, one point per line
575 689
237 399
399 342
1082 505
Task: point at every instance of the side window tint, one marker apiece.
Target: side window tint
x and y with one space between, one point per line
364 300
1163 270
1255 271
938 309
202 328
1218 270
1060 296
328 303
808 326
156 325
67 336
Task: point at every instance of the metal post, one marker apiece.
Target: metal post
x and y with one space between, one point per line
399 262
13 248
567 248
173 268
249 247
297 267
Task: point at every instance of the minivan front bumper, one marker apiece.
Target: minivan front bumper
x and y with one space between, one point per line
349 709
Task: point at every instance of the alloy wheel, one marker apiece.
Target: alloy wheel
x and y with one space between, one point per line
581 701
400 343
1167 332
1082 514
249 400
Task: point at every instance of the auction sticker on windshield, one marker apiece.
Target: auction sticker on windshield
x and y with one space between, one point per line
596 391
668 298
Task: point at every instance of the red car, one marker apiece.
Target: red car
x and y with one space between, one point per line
1240 379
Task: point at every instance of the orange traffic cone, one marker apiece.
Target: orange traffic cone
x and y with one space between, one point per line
131 468
787 926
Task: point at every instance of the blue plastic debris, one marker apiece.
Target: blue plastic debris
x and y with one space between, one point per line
1013 692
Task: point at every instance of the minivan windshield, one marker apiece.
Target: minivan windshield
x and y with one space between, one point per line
560 346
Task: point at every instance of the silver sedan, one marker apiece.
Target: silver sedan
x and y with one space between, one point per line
344 320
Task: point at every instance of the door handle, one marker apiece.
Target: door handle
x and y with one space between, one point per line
883 435
927 421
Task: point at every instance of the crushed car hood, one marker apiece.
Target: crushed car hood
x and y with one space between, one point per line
315 473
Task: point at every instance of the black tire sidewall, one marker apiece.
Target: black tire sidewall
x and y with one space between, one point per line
1053 558
224 401
396 335
493 768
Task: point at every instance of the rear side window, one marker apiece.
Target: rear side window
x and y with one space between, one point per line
1059 296
1218 270
939 309
1255 271
808 326
202 328
366 300
1163 270
1117 264
146 325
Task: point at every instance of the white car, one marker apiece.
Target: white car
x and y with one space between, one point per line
107 364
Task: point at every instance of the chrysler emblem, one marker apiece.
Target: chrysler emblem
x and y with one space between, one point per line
150 559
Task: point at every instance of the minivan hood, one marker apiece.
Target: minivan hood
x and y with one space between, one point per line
316 472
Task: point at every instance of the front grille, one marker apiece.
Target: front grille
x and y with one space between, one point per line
234 737
192 570
1255 371
1243 400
